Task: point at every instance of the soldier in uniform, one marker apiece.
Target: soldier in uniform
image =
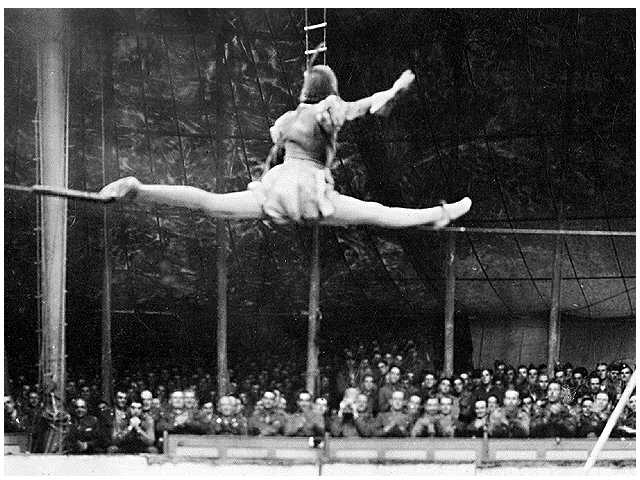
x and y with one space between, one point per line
267 420
394 423
305 422
509 421
228 421
553 418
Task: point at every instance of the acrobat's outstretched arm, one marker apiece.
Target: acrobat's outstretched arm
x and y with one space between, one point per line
334 112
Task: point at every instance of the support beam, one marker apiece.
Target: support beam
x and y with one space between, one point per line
314 311
554 313
109 173
449 307
221 268
53 215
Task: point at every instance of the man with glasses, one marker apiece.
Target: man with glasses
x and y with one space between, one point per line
267 420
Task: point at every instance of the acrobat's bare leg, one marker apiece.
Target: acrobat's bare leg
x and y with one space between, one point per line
237 205
351 211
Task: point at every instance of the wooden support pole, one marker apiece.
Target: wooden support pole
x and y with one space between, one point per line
53 215
554 313
109 173
449 307
314 307
221 268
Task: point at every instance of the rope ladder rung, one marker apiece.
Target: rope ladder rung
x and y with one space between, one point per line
315 27
315 50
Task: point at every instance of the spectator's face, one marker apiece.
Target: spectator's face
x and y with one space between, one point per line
444 386
445 405
429 380
458 385
465 378
383 368
522 373
577 379
553 393
615 373
226 406
320 406
135 409
432 406
543 381
632 403
268 400
511 399
480 408
492 403
190 400
625 374
161 392
155 402
587 405
532 377
85 392
207 409
9 405
560 376
362 403
568 372
147 400
486 377
414 404
121 400
594 385
368 383
177 400
81 408
527 403
394 374
602 371
602 402
34 399
397 401
304 402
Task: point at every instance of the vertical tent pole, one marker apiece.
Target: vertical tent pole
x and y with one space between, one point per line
314 304
554 314
53 214
221 268
109 173
449 308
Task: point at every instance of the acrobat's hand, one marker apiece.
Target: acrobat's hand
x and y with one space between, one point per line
382 102
331 113
127 187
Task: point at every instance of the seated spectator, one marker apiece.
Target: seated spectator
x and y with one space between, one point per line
227 421
425 426
343 423
602 405
406 384
12 422
386 392
428 388
486 387
370 389
509 421
626 426
492 404
394 423
446 421
177 419
588 423
32 413
84 431
553 418
464 399
579 388
414 409
119 411
206 418
267 420
476 427
148 408
138 435
625 375
191 401
304 422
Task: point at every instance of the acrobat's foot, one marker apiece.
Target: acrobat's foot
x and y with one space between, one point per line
451 211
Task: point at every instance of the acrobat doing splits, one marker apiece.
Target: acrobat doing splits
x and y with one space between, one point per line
301 188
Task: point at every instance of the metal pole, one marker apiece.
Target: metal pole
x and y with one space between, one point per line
314 306
449 308
613 419
221 267
554 314
54 217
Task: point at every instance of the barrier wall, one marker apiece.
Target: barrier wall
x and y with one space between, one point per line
364 450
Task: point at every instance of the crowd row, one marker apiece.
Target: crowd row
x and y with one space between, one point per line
374 399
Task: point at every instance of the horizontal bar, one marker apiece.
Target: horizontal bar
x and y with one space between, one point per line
315 50
61 192
314 27
531 231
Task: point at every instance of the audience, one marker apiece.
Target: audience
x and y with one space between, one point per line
387 389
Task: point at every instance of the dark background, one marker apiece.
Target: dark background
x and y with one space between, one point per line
529 112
